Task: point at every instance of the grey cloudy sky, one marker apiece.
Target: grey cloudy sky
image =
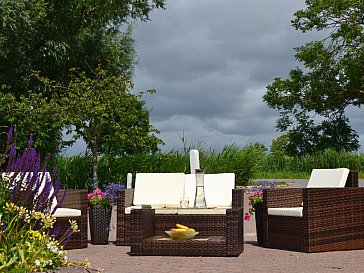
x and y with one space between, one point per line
210 62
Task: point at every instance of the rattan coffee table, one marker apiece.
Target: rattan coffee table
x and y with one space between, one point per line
199 246
212 240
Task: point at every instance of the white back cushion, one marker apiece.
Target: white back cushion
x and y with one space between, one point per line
158 188
218 189
47 177
190 189
328 178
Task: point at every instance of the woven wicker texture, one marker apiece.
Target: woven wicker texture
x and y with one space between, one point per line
100 218
74 199
139 228
333 218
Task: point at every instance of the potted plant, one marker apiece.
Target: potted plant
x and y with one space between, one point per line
99 216
100 209
256 207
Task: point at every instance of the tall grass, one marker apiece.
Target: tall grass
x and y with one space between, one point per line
75 172
296 167
247 162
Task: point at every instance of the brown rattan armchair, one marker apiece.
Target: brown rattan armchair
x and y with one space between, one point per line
74 199
331 218
142 229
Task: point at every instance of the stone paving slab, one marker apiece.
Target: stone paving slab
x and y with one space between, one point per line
115 259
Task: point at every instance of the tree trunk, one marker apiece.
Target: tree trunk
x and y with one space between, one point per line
94 163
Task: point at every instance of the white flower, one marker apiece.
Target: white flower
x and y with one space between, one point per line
65 258
37 262
52 247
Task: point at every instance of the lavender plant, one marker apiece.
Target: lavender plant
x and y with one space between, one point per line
26 203
25 182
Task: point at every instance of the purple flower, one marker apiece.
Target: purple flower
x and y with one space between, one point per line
256 195
25 177
112 190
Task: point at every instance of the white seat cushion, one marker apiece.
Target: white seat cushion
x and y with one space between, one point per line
166 211
158 188
328 178
66 212
129 209
158 210
294 211
202 211
218 189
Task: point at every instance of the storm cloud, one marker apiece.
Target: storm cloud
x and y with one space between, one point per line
210 62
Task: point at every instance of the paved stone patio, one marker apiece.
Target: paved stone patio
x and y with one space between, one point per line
115 259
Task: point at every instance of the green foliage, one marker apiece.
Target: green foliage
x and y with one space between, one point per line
74 172
31 115
243 161
331 81
54 36
246 162
277 165
25 243
105 114
279 145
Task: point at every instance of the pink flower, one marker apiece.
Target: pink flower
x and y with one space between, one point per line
247 216
97 194
89 196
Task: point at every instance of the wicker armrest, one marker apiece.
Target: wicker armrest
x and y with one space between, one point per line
320 202
74 199
238 198
125 199
352 180
234 231
143 225
278 198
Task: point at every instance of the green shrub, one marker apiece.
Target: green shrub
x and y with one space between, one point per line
296 167
75 172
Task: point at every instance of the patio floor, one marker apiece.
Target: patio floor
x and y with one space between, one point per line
115 259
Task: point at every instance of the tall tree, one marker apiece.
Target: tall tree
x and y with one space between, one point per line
313 100
105 114
52 36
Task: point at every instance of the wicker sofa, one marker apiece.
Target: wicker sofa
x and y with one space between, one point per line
315 219
223 223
